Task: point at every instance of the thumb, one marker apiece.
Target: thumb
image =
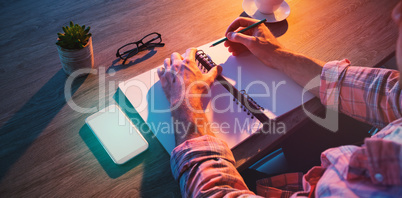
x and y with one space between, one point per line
239 38
213 73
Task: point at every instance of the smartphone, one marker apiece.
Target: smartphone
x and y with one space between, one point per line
117 134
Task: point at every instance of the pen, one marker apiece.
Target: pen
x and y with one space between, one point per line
241 31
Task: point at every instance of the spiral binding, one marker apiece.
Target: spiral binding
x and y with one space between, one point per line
205 64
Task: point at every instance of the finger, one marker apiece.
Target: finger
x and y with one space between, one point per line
235 53
239 50
230 49
240 38
189 57
239 23
227 43
168 71
396 13
176 60
162 76
167 64
213 73
235 48
190 54
175 56
169 77
161 71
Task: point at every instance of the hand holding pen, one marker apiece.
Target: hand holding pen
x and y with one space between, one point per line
241 31
258 40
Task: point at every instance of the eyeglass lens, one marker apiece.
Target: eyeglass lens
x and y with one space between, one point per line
152 39
129 50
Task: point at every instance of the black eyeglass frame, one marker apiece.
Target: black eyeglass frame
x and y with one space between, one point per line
140 46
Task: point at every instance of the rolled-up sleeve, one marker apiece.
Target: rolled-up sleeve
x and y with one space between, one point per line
371 95
204 167
380 158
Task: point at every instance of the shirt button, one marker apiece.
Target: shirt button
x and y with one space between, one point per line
378 177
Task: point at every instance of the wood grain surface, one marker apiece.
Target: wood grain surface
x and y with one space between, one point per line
45 147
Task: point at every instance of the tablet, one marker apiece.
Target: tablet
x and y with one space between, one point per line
117 134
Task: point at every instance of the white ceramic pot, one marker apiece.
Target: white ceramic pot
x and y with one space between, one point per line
74 59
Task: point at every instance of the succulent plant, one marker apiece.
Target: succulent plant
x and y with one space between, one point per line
74 36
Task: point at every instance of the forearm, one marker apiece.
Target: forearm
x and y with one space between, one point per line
204 167
377 88
371 95
189 122
203 164
300 68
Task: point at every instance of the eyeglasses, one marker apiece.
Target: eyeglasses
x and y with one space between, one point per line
151 40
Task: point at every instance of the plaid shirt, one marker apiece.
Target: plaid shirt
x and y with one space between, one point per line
204 166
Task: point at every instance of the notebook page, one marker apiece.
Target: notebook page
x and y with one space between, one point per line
270 88
227 119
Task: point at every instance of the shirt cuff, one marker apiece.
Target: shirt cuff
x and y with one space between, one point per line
197 150
332 74
379 161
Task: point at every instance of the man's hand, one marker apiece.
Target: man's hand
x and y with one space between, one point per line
182 78
184 85
263 44
259 41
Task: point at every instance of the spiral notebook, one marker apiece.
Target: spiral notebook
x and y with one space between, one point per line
246 95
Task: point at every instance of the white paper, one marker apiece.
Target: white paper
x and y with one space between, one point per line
270 88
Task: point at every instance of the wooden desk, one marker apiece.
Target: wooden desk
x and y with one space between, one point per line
45 148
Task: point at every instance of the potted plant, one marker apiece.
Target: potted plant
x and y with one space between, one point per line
75 48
